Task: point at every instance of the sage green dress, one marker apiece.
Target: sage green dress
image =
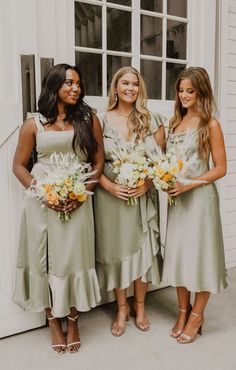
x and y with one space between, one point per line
56 259
194 250
126 236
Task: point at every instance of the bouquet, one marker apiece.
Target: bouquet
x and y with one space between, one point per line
165 171
174 166
65 179
130 165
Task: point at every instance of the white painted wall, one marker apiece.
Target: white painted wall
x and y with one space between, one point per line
227 107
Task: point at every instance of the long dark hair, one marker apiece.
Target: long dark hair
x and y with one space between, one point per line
79 115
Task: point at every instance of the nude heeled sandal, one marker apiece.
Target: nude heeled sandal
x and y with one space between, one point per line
143 325
60 349
185 338
175 331
118 330
74 346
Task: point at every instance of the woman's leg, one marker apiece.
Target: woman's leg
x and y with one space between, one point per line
73 340
123 313
195 320
140 289
184 311
58 339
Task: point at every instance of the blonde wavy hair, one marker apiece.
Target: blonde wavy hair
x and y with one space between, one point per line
139 118
205 105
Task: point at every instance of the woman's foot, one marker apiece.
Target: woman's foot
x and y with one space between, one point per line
119 325
141 319
73 339
181 322
58 339
192 328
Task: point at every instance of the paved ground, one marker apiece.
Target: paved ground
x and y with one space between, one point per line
153 350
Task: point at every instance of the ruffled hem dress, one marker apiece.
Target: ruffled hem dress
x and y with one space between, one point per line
194 249
126 236
56 259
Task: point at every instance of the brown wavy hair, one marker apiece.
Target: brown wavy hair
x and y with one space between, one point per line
139 118
205 105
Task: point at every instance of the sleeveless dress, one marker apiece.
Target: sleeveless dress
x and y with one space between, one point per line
55 265
194 250
126 236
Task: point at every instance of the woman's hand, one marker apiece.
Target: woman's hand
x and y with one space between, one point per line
68 207
119 191
141 190
178 189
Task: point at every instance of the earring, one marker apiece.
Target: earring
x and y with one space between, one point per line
116 97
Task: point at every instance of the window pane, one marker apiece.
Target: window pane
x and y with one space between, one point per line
91 69
178 8
151 72
153 5
113 64
172 72
176 40
151 35
88 25
120 2
118 30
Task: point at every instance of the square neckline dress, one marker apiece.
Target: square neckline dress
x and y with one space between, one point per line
56 259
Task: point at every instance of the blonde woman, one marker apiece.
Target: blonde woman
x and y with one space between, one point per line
126 236
194 253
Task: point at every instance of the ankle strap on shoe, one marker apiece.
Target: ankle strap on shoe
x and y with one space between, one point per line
72 318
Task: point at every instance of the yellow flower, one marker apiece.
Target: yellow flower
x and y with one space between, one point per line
48 187
140 183
160 172
180 163
72 196
173 170
52 198
167 177
82 198
68 182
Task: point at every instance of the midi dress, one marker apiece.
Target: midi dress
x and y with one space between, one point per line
126 235
56 259
194 249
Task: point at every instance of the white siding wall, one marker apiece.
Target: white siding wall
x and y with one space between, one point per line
227 108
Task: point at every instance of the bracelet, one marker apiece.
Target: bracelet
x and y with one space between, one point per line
204 180
33 184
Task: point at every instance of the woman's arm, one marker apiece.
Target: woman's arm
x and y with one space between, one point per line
119 191
218 154
26 144
98 164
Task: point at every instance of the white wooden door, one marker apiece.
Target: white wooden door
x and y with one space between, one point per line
43 28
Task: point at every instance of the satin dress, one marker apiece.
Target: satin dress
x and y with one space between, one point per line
56 259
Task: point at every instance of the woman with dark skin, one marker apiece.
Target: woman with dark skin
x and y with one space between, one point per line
55 267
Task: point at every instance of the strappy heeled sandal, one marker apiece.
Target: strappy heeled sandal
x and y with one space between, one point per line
60 348
143 325
73 347
175 331
185 338
116 329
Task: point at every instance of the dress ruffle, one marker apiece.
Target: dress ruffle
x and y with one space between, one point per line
35 292
142 264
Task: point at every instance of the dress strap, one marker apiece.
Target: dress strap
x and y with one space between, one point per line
39 119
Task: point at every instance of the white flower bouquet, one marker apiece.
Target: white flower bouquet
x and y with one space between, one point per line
130 165
65 179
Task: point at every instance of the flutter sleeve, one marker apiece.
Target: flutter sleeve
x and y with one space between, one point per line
157 120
